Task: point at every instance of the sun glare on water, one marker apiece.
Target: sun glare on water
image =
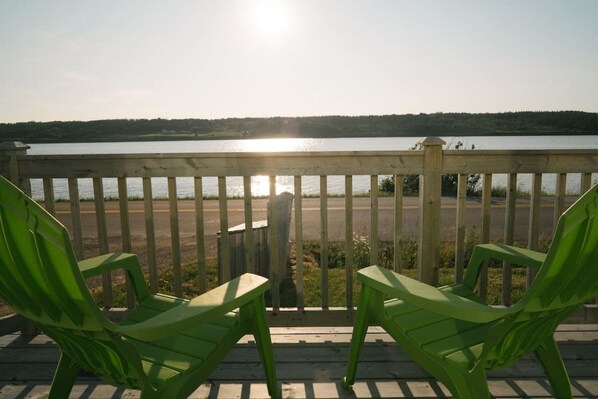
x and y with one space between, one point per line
272 145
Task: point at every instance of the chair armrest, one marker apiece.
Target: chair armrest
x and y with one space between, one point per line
113 261
483 252
428 297
201 309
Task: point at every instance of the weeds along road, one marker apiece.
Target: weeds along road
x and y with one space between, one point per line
311 217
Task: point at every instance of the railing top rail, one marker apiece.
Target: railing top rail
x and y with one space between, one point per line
300 154
304 163
501 152
232 154
523 161
221 164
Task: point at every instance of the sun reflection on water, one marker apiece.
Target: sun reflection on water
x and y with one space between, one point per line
260 185
275 145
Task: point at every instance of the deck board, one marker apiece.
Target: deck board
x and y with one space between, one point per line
310 363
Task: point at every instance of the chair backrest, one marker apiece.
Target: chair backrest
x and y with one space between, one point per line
569 276
567 279
39 276
40 279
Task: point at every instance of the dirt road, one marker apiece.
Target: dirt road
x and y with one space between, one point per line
311 217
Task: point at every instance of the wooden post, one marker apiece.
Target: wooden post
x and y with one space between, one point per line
13 150
429 211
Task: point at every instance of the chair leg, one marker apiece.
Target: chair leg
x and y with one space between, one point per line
360 329
264 345
469 385
64 378
551 360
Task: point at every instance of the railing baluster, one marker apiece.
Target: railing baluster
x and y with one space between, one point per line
49 200
125 228
224 238
559 197
398 234
349 241
98 194
299 243
460 236
509 236
123 202
585 183
247 196
77 229
274 249
534 222
374 219
324 240
150 233
174 236
486 219
199 235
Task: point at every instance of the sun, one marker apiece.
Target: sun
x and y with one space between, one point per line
270 17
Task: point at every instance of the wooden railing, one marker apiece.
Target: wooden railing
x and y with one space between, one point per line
429 162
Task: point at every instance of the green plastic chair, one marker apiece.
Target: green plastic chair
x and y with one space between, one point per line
165 347
456 337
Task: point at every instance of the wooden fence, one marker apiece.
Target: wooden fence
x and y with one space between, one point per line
429 162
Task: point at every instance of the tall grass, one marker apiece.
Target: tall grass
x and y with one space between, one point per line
336 272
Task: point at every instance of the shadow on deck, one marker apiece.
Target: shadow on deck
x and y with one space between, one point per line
310 363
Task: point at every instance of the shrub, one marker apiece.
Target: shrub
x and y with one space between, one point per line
448 185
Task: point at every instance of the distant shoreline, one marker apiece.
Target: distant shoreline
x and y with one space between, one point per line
561 123
213 138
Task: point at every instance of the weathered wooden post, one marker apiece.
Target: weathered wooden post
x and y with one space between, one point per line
12 149
428 252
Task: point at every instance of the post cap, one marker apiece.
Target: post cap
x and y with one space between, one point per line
433 141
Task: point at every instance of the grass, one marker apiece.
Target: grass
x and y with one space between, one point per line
336 274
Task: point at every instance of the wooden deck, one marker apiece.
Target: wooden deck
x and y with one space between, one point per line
310 363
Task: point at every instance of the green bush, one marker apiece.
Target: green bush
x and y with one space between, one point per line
449 184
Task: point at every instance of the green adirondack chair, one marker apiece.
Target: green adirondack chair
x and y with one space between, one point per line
456 337
166 347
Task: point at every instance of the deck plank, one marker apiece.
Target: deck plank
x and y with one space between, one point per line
310 363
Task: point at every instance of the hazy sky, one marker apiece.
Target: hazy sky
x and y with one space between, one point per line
85 60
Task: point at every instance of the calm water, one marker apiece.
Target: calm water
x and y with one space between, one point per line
285 183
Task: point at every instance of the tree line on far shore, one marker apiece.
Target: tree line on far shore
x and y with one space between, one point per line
408 125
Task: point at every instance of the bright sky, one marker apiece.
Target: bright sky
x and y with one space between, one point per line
86 60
